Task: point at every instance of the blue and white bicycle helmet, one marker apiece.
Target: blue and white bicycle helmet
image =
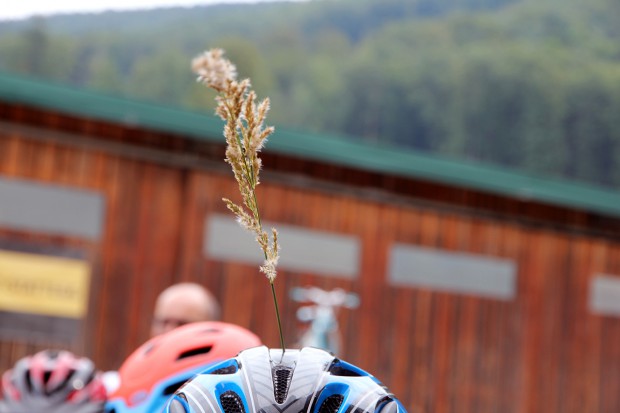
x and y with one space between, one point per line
260 380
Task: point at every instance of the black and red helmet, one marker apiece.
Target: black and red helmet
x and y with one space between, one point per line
53 382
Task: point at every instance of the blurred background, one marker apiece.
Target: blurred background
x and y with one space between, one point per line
454 164
531 85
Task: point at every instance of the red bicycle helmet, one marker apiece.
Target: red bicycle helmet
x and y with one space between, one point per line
53 382
153 372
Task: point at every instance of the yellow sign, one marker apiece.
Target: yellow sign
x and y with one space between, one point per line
42 284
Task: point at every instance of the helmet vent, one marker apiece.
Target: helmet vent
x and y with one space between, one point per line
28 381
194 352
281 381
231 402
331 404
343 369
46 376
172 388
387 405
176 406
232 369
65 382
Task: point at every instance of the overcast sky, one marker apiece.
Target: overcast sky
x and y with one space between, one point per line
19 9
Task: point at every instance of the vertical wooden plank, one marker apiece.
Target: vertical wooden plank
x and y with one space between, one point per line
531 284
550 371
403 223
194 203
510 363
402 352
424 383
591 327
609 358
582 330
11 164
156 245
388 220
209 191
94 325
119 271
462 376
444 323
12 148
373 262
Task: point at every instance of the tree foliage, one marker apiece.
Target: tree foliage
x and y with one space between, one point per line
528 84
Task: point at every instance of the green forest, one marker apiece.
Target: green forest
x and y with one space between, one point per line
531 85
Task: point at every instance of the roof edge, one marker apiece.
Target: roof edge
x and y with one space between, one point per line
326 148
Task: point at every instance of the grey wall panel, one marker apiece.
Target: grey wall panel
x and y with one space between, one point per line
605 294
440 270
303 250
34 327
52 209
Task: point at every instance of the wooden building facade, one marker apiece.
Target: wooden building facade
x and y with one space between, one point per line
480 290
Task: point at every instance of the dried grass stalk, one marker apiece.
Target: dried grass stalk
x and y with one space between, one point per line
245 135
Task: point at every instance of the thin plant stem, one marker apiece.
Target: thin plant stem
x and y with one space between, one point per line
275 302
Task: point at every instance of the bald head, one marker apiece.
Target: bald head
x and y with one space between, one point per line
182 304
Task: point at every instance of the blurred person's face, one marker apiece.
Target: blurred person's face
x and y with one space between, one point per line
174 310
